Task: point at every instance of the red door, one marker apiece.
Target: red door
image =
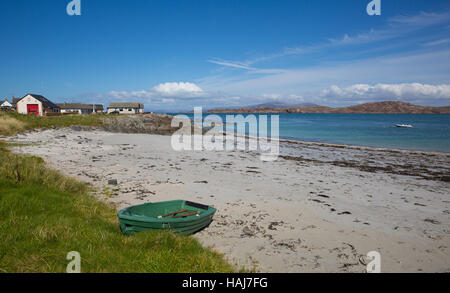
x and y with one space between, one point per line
33 109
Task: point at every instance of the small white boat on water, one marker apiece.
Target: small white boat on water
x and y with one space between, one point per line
404 125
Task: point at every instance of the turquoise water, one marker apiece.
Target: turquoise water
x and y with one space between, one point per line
430 132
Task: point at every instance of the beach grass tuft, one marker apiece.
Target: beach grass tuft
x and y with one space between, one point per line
10 125
45 215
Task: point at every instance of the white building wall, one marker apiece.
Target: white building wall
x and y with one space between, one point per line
71 110
22 105
81 111
125 110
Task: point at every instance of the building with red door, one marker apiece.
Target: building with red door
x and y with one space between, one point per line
38 105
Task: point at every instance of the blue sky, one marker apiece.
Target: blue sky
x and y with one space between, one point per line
173 55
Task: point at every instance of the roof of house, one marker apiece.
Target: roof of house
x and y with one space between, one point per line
4 101
42 99
126 105
80 106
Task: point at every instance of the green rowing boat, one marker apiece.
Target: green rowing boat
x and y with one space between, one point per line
180 216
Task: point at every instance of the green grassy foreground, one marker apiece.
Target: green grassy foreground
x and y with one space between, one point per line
44 215
12 123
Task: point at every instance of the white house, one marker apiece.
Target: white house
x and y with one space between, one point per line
36 105
6 105
80 108
126 108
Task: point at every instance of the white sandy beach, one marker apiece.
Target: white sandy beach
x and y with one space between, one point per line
308 213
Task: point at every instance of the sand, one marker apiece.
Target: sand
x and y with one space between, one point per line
318 208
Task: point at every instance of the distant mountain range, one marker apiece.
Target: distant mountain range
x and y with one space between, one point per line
387 107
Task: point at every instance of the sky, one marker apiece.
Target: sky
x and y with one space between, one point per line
174 55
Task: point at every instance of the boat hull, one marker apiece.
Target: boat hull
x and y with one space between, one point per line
403 126
150 217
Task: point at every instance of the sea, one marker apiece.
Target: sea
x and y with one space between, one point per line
430 132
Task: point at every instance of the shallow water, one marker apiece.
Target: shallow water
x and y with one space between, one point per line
431 132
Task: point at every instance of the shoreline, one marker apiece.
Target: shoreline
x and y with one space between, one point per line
295 150
299 141
368 148
284 216
349 146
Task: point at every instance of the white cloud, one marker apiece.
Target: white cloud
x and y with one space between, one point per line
422 19
245 66
124 95
179 89
403 91
164 93
418 93
271 96
165 101
427 68
238 65
438 42
296 98
395 27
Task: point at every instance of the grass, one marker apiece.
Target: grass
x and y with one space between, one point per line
12 123
44 215
9 125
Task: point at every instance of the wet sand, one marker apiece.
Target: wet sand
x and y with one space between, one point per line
318 208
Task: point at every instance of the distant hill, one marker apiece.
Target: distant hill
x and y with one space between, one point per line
387 107
394 107
279 105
